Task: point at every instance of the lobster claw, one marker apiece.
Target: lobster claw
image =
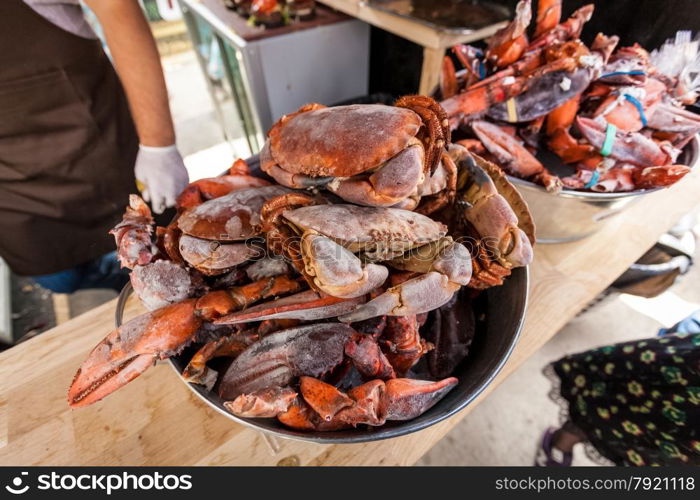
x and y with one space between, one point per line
278 358
513 156
131 349
658 176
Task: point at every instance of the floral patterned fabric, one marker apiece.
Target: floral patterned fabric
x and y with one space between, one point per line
638 402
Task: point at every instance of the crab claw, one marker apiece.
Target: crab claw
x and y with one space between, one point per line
133 234
446 272
266 403
280 357
664 175
336 270
197 371
323 407
389 185
419 294
495 208
131 349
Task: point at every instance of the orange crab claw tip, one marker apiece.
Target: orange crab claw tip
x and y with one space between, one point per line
299 416
324 398
86 390
406 399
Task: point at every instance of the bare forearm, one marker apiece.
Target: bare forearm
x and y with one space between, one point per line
137 62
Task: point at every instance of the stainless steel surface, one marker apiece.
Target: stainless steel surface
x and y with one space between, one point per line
574 215
569 215
265 78
5 304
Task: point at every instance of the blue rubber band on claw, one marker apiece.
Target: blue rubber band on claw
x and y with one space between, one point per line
482 70
638 105
624 73
610 132
593 181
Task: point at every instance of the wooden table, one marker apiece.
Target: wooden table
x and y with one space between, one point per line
433 41
156 420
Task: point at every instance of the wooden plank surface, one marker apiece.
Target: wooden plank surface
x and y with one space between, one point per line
155 420
430 71
414 31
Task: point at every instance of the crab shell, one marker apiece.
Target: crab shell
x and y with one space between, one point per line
341 141
213 258
379 233
233 217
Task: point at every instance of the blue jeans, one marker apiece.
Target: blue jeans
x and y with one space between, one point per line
689 325
101 272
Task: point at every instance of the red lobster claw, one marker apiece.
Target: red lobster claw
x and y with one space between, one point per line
131 349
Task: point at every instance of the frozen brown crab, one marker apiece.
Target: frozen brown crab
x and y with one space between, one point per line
491 215
341 251
371 155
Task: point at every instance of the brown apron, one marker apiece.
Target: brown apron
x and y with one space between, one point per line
67 145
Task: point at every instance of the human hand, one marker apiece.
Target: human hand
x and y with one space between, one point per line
160 175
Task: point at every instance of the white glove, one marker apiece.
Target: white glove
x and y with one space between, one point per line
160 175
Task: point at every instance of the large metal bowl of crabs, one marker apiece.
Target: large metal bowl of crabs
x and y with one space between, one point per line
584 130
362 279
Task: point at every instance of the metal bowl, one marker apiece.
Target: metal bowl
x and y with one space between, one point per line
504 311
503 308
573 215
492 345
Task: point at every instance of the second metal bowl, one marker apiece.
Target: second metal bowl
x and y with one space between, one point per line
573 215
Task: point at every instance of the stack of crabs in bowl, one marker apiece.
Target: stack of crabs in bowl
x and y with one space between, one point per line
308 283
615 116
